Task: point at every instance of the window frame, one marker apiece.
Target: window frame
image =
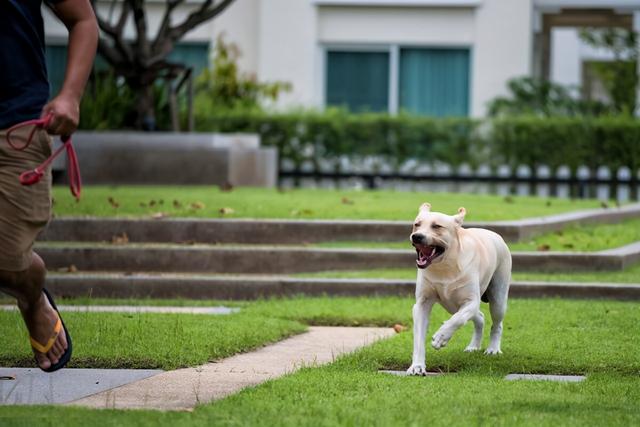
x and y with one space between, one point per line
393 50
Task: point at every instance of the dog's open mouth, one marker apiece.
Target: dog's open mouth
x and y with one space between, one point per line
426 255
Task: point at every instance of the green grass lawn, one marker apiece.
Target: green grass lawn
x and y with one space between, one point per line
629 275
137 340
595 338
207 202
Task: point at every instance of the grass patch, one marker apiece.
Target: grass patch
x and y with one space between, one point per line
576 239
145 340
596 338
628 275
585 239
207 202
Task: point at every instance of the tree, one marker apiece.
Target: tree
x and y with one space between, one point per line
542 98
620 76
142 60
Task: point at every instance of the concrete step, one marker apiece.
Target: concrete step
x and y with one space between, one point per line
290 259
148 285
276 231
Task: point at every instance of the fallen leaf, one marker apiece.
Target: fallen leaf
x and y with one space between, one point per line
544 247
197 205
72 269
159 215
113 203
346 201
226 187
226 211
121 239
399 328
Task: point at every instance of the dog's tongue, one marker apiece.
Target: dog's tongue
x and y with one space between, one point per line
426 254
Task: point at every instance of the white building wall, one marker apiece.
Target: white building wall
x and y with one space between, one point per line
287 48
239 24
503 46
282 40
404 26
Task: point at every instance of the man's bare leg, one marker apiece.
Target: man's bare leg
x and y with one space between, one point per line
39 317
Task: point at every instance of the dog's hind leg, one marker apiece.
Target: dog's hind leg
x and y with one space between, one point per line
476 339
498 294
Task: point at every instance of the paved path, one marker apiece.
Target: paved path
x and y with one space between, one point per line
31 386
183 389
137 309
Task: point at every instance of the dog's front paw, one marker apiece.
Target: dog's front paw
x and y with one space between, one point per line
471 348
417 370
440 339
493 351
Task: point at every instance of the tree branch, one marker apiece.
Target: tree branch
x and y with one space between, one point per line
116 32
166 21
203 14
140 20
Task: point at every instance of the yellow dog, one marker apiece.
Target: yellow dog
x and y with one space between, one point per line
457 268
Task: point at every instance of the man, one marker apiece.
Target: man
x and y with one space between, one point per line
25 210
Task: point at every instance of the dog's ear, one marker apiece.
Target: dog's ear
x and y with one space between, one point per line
459 217
425 207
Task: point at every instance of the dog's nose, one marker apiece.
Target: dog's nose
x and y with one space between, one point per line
417 238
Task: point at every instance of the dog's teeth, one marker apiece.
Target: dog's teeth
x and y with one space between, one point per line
433 251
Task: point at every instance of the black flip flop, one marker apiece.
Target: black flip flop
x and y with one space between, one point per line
64 359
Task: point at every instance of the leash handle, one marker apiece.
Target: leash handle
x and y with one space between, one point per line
34 176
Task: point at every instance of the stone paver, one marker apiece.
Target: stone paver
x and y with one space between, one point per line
35 387
137 309
539 377
404 373
183 389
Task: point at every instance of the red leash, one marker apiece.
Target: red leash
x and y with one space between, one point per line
34 176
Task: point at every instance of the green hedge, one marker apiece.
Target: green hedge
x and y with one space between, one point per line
605 141
532 141
311 136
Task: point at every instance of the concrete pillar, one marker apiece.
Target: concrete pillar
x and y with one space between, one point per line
502 49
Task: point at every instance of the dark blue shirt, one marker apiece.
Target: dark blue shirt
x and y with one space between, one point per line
24 87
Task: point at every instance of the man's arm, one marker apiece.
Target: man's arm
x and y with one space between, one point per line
78 17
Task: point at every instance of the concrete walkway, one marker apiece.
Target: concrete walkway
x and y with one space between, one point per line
31 386
183 389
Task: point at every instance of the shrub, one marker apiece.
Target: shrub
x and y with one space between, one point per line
533 141
313 136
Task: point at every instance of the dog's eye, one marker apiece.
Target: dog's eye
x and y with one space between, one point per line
436 226
417 224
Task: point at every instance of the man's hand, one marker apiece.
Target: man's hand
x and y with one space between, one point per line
65 114
78 17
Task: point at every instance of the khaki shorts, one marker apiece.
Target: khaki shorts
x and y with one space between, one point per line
24 210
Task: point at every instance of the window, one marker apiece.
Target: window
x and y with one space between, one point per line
358 80
192 54
430 81
434 82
